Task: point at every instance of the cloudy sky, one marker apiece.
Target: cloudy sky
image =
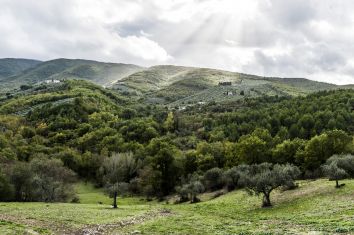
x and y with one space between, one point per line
288 38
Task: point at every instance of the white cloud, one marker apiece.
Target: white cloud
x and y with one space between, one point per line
303 38
74 29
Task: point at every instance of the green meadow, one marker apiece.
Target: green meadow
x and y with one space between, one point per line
315 207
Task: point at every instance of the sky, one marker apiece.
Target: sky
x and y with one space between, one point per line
285 38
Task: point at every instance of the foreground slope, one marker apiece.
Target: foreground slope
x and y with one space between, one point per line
315 207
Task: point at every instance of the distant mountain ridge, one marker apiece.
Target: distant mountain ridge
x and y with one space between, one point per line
98 72
11 66
164 84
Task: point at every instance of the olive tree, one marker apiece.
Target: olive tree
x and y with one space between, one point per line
264 178
232 176
339 167
212 179
190 191
117 172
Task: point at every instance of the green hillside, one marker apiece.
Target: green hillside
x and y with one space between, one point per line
10 67
152 79
52 132
100 73
176 85
162 84
22 102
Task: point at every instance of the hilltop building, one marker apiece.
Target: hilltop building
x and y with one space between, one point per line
225 83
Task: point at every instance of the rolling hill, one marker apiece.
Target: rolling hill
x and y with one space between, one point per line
162 84
11 67
176 85
100 73
22 102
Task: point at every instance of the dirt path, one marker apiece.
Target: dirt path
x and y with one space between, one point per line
101 229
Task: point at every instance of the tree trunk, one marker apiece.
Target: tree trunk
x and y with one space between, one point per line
337 184
195 199
115 200
266 200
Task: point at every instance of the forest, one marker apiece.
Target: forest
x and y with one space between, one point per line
78 131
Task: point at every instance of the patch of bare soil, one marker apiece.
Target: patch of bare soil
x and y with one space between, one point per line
99 229
53 227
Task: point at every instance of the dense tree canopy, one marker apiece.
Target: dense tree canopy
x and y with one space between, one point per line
82 126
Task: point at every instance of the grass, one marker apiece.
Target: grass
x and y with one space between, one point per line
7 227
88 194
315 207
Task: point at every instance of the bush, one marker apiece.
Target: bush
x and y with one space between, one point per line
45 180
182 192
52 181
25 87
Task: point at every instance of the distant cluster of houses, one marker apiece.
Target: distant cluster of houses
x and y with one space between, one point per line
51 81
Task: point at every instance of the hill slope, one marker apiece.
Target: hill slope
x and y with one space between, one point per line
165 84
176 85
100 73
10 67
22 102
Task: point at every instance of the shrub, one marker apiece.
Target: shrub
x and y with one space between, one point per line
42 179
52 181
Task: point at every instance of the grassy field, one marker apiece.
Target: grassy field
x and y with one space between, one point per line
316 207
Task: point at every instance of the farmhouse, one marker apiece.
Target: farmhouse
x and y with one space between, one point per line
225 83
